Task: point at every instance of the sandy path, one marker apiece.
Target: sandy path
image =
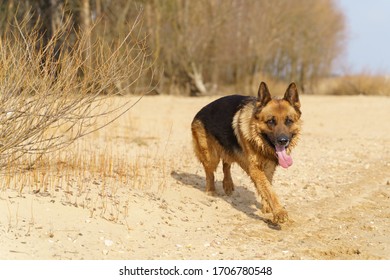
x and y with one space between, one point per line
337 194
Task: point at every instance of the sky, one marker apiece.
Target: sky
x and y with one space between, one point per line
368 43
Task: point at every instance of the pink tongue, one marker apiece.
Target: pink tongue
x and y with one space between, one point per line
285 160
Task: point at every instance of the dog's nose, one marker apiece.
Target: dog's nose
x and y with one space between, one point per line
282 140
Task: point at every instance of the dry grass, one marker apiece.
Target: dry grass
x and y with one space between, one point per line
362 84
359 84
93 176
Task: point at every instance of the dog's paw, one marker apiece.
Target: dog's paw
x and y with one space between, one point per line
228 187
280 216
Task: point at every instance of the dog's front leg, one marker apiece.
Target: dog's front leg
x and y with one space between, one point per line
268 196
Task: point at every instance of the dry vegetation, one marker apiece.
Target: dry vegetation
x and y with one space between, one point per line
52 94
92 174
361 84
201 46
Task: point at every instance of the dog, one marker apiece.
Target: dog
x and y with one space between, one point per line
257 133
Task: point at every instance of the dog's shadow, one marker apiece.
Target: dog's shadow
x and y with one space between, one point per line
243 203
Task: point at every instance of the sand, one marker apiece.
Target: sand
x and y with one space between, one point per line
337 192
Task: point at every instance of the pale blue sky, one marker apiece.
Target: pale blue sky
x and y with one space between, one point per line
368 45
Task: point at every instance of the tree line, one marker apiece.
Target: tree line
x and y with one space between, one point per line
197 46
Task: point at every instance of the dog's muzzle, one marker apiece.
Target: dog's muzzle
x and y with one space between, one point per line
282 140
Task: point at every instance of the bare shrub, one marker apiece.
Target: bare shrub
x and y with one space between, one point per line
52 94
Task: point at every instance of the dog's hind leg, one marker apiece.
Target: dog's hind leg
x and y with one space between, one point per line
209 168
209 160
205 150
228 185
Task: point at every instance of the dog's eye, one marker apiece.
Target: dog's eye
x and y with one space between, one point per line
289 121
271 122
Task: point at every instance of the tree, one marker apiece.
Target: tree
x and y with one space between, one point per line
310 43
232 41
207 42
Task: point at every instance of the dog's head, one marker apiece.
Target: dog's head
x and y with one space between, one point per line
278 121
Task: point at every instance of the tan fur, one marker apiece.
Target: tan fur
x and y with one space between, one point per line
209 152
258 159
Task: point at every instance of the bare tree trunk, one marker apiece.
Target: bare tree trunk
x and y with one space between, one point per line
10 13
196 83
85 23
302 78
85 14
98 9
55 14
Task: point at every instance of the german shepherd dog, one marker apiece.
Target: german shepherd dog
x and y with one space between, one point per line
257 133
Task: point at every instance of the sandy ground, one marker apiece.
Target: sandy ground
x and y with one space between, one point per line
337 193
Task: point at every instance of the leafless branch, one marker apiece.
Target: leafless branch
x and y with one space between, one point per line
52 94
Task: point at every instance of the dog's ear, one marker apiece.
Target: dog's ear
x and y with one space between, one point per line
263 95
292 96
